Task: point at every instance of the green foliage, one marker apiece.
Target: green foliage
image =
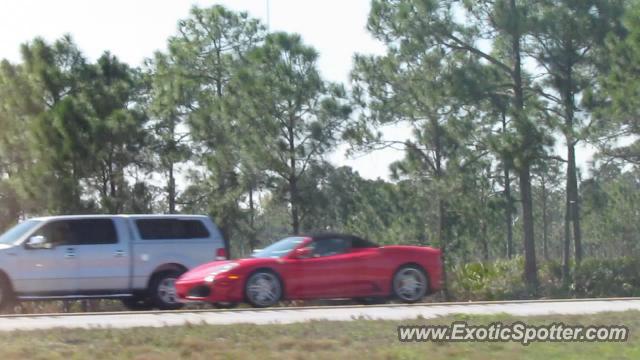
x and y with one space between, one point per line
289 116
611 200
190 87
499 280
77 130
607 278
237 123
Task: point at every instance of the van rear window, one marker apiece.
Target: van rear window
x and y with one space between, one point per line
171 229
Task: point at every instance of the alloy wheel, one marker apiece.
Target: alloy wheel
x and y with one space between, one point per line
410 284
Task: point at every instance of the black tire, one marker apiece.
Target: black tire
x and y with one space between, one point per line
225 305
253 297
137 303
7 297
404 273
162 298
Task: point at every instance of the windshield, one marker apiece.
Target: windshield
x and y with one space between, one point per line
280 248
13 234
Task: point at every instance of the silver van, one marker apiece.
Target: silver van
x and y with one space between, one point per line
136 258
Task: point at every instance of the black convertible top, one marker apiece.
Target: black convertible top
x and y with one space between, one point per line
356 242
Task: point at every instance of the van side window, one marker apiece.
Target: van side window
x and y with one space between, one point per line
94 231
57 233
171 229
80 232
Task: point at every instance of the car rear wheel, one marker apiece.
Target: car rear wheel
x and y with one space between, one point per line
410 284
163 290
263 289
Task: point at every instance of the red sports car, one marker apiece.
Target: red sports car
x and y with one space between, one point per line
327 266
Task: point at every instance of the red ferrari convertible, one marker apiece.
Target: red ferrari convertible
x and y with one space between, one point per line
327 266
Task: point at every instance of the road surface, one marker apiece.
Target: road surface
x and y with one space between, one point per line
292 315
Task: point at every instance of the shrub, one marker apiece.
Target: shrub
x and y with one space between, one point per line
502 280
499 280
607 277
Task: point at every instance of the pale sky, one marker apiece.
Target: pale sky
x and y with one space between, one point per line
134 29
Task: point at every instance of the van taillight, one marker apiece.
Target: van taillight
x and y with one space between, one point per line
221 254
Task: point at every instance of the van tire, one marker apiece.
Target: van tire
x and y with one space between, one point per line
162 290
7 297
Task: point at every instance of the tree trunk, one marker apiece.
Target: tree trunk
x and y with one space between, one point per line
573 209
443 226
577 232
485 241
572 202
566 245
545 225
295 215
572 213
171 189
442 239
507 196
225 231
293 180
252 227
13 210
530 266
524 171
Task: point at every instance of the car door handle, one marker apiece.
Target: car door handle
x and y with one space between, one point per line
119 253
70 254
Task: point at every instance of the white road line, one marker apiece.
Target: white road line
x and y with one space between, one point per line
293 315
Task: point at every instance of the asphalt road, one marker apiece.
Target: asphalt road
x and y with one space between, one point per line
292 315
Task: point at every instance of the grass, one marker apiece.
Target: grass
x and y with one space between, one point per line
361 339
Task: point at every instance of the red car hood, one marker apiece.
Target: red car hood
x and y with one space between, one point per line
204 270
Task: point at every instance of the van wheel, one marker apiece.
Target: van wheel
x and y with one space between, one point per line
163 290
137 303
7 297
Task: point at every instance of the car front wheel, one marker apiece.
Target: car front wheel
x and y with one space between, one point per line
263 289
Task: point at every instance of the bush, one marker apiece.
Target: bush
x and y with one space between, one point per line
607 278
499 280
503 280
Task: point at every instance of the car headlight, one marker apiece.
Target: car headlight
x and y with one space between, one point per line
219 270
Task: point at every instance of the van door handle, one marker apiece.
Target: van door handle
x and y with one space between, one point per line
119 253
71 253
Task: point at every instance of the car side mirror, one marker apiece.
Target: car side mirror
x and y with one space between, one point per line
38 242
302 253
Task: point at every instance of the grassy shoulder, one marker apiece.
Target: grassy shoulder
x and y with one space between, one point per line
320 339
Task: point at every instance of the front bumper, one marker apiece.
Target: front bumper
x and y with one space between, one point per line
227 288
